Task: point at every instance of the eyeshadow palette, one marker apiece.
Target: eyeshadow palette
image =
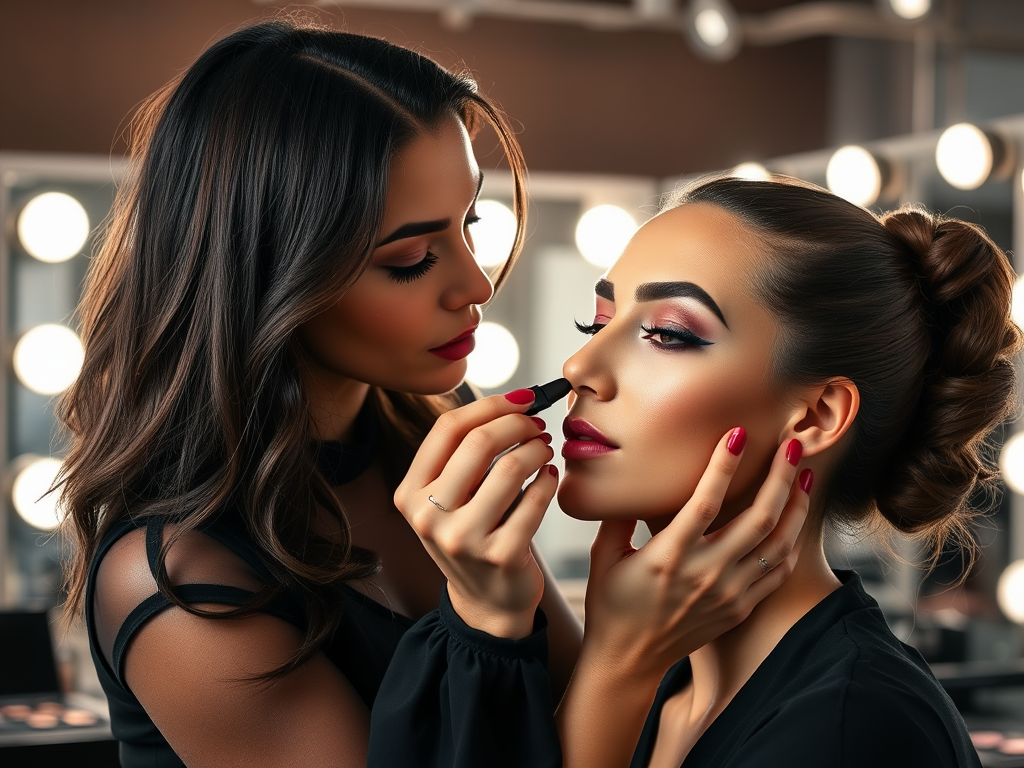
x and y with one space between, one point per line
51 719
999 749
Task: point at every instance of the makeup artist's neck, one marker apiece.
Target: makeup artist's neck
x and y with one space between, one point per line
334 403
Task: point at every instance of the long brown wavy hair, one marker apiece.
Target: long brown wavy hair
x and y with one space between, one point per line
257 189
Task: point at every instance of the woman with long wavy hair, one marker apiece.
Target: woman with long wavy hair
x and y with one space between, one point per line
281 307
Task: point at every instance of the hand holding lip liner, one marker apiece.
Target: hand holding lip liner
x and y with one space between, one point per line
548 394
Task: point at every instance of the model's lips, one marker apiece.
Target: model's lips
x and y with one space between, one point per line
457 348
583 440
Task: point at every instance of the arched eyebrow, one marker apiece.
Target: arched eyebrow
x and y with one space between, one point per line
656 291
417 228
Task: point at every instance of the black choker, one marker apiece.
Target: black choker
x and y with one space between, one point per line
342 462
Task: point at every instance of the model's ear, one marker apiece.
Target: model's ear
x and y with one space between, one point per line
825 413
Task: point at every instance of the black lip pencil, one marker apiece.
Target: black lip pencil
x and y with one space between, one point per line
548 394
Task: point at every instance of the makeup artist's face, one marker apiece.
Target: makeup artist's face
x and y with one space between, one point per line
680 356
406 324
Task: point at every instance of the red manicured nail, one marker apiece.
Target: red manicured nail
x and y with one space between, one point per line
553 470
539 422
737 439
794 451
520 396
806 480
545 438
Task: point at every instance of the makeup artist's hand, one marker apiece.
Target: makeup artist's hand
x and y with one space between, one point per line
494 581
683 588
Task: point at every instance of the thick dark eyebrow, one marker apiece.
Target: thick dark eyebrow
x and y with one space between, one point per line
605 289
680 290
417 228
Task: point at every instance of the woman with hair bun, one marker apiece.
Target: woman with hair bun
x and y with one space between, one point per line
879 352
279 312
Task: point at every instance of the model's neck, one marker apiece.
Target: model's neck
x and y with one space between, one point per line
334 403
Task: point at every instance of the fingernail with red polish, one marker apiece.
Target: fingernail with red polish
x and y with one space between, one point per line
539 422
520 396
737 439
794 451
806 480
553 471
545 438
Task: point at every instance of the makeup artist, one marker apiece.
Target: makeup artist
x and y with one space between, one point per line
280 309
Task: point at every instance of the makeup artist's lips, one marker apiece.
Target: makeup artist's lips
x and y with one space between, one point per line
457 348
583 440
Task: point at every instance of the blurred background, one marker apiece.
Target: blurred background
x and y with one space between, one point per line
614 102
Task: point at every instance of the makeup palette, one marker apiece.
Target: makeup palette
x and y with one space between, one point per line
999 749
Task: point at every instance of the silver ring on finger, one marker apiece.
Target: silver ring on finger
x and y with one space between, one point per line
436 503
765 567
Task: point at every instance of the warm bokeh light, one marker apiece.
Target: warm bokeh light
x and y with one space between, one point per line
964 156
494 234
751 172
1017 309
29 493
1011 462
910 9
53 227
47 358
1010 592
854 174
495 358
712 27
603 232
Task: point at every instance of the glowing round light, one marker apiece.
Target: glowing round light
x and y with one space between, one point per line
1010 592
602 234
495 358
1011 462
29 494
1017 311
47 358
751 172
964 156
910 9
712 27
53 227
854 174
494 234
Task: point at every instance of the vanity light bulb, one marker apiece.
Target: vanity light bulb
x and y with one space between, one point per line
751 172
27 492
47 358
602 234
495 358
964 156
53 227
1011 462
854 174
494 234
712 27
1010 592
910 9
1017 305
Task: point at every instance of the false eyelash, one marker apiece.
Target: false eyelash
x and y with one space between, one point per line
589 329
474 219
417 270
684 335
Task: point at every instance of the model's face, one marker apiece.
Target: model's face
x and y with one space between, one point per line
406 323
680 357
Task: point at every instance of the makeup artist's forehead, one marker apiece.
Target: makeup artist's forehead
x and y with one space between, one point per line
698 243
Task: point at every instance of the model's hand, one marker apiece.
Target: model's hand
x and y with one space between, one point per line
683 588
494 581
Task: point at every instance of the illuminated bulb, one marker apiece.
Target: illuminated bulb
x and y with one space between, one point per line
1011 462
964 156
751 172
910 9
854 174
711 26
494 234
602 234
47 358
53 227
495 358
1017 311
33 504
713 29
1010 592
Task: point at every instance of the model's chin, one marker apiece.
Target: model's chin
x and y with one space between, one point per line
435 382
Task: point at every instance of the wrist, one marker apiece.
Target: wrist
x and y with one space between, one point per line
484 618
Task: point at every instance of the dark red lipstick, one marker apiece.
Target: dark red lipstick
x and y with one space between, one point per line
457 348
583 440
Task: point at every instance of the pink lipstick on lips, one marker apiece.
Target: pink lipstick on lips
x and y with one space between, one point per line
584 441
457 348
